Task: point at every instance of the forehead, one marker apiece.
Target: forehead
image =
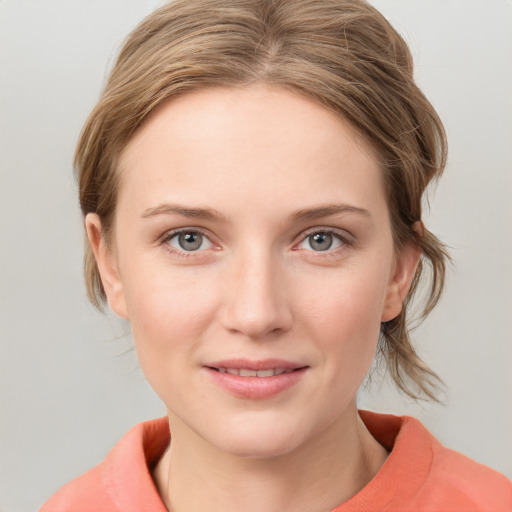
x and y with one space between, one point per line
258 142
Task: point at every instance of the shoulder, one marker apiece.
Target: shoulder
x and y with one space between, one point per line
422 474
124 477
455 478
86 492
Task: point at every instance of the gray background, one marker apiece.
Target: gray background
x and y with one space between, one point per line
69 382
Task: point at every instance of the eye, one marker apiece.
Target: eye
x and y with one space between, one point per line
321 241
189 241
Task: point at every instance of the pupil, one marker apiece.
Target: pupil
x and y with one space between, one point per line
190 241
321 241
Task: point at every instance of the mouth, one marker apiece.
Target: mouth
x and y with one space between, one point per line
255 367
256 379
246 372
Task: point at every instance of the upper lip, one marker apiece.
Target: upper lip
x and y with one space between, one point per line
256 365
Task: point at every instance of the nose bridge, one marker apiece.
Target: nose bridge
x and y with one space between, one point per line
257 304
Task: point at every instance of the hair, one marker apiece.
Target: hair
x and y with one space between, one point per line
343 54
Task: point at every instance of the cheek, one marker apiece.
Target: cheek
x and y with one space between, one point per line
345 318
169 313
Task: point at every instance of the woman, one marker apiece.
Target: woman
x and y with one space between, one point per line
251 184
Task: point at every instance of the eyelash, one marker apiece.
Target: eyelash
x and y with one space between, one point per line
167 237
345 239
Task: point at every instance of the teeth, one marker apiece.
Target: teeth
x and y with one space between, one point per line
243 372
265 373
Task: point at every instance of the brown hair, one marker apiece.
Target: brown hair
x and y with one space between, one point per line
341 53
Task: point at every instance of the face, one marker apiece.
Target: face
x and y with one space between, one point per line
253 257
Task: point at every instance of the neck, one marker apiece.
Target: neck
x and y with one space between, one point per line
333 467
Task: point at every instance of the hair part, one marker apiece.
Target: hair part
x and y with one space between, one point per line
343 54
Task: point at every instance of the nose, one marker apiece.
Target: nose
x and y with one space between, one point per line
257 301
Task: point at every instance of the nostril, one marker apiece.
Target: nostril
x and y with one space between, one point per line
257 305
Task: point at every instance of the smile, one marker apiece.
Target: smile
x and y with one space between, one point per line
245 372
252 379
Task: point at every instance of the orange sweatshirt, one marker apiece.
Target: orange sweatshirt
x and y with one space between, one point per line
419 475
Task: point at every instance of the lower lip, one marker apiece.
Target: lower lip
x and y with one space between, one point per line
256 387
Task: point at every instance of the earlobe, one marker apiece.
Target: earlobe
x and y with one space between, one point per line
107 266
401 281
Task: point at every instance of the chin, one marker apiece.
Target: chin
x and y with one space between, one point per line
259 437
259 447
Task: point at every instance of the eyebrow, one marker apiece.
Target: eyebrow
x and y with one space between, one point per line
177 209
309 214
303 215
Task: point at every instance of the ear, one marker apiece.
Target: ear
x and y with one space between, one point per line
107 265
401 279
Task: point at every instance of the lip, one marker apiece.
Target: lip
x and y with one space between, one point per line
256 387
255 365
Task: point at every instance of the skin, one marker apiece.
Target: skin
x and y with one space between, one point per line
256 288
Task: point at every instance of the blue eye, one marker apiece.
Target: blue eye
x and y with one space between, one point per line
189 241
321 241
